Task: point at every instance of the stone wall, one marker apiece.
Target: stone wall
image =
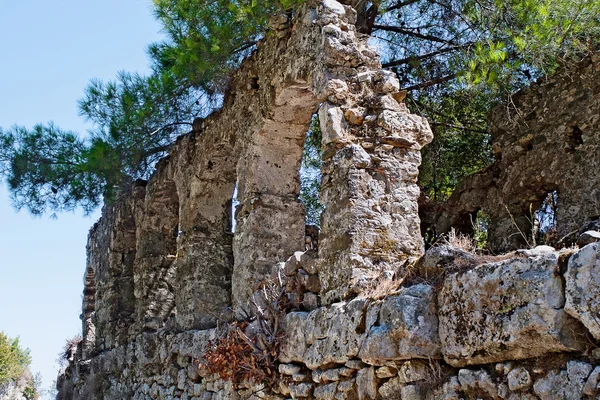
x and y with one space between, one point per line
368 316
521 326
547 140
164 261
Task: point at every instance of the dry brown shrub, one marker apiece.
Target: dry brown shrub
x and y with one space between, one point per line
461 241
248 351
380 286
238 358
69 350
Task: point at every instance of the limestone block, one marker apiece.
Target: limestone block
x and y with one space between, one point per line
292 264
566 384
355 116
390 389
591 385
507 310
413 371
407 328
450 390
331 375
302 390
409 129
192 343
471 380
294 344
385 372
310 301
366 381
412 392
334 334
325 392
334 7
438 259
583 287
588 237
386 82
519 379
289 369
333 124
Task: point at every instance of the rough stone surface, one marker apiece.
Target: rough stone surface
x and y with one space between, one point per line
591 385
582 287
588 237
367 383
547 140
323 346
167 273
407 328
471 380
505 311
566 384
518 379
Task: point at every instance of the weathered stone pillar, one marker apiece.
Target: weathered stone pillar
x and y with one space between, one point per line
205 178
88 327
157 220
371 144
111 253
370 226
270 218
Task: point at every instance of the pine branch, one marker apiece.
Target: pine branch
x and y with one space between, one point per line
431 82
169 126
410 59
408 32
400 5
245 46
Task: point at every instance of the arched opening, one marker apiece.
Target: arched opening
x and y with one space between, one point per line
206 177
270 220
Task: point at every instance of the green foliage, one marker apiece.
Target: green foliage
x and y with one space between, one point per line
480 229
206 39
310 174
136 118
13 359
461 144
46 166
457 58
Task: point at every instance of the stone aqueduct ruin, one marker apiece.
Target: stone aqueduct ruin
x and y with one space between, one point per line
165 267
175 230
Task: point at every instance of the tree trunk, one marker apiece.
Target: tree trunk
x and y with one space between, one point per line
367 11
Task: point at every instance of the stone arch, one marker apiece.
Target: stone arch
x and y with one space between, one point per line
204 168
270 218
371 156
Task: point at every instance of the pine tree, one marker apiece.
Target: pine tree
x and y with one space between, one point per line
455 58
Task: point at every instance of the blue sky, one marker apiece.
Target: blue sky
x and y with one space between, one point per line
49 50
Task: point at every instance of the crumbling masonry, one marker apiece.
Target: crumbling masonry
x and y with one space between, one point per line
166 269
545 142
